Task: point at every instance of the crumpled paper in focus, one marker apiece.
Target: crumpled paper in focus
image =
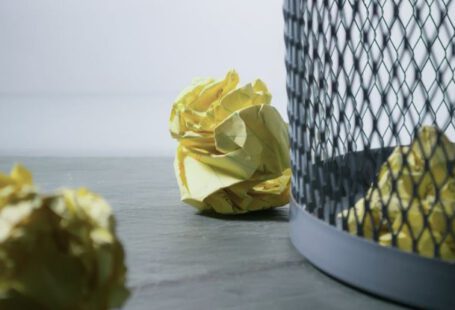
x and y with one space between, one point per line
406 167
233 152
58 251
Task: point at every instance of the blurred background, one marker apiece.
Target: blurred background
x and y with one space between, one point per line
98 78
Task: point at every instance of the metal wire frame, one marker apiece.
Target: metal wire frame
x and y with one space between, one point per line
362 78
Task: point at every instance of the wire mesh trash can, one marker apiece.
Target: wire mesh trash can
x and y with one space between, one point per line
371 102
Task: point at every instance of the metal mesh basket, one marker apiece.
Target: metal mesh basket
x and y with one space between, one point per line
371 89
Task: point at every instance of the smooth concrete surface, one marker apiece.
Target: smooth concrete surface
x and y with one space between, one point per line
180 259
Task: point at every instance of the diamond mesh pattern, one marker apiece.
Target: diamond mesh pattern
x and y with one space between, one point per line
363 77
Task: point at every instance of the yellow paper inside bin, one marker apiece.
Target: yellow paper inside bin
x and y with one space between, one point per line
433 201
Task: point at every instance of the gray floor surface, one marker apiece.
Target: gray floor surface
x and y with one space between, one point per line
180 259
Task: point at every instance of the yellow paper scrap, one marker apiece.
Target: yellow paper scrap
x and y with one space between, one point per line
58 251
233 152
433 200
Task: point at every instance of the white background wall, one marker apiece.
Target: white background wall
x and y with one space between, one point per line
98 77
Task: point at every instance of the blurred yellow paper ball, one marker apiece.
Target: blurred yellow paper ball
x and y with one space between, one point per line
58 251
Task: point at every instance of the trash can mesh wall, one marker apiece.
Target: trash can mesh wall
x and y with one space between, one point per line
371 89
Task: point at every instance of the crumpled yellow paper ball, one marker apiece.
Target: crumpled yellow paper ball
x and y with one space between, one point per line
414 228
233 152
421 195
58 251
